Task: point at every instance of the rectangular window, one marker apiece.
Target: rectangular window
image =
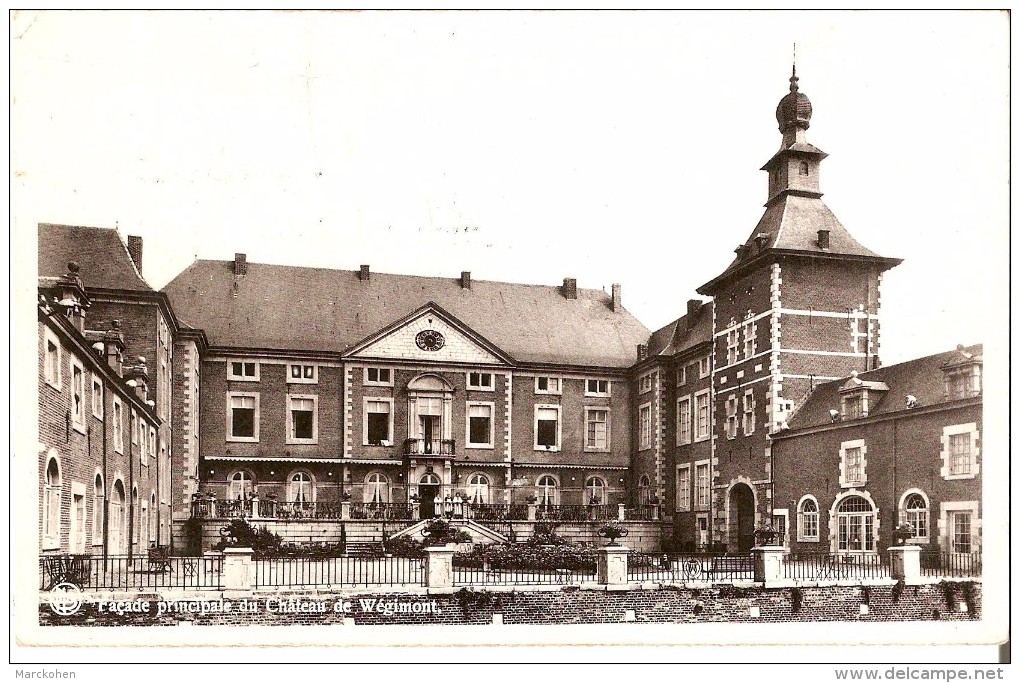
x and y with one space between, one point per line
379 377
704 367
242 417
681 375
703 483
683 487
645 383
97 397
959 454
480 380
853 406
143 446
152 443
748 412
596 387
378 422
702 416
750 339
732 342
547 427
134 427
596 429
547 385
302 374
118 426
645 426
854 469
52 360
683 421
731 417
77 395
303 419
243 370
479 424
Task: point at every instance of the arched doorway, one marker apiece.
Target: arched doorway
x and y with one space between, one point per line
741 518
428 494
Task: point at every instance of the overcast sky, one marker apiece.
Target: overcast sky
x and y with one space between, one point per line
529 147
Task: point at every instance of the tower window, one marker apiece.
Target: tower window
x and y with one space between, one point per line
804 168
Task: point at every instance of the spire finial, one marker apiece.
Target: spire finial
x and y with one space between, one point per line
793 78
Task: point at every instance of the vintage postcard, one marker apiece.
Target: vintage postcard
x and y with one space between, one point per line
530 328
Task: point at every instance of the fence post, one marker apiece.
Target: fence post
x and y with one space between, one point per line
613 565
532 512
439 568
237 569
768 563
655 512
905 562
621 512
345 509
254 507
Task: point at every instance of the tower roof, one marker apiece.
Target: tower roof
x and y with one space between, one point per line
794 110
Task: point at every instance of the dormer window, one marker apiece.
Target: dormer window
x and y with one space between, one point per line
963 375
859 397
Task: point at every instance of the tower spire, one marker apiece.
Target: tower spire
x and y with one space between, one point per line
793 77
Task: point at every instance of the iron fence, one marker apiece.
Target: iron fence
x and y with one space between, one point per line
815 566
121 572
577 513
338 571
683 567
937 563
394 511
499 576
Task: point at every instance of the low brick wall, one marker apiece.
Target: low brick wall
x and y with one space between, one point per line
669 605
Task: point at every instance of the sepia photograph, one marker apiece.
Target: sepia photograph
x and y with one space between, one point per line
555 336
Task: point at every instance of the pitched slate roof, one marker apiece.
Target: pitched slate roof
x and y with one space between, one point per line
293 308
683 333
921 378
100 253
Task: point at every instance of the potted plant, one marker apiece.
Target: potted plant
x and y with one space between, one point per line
902 533
345 496
767 535
532 499
612 531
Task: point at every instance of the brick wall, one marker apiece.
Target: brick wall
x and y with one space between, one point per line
573 606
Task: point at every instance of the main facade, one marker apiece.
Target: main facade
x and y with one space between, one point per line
301 389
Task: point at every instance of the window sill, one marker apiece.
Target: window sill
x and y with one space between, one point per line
98 417
471 388
809 539
480 446
377 384
547 449
548 393
291 380
242 439
852 484
599 395
80 428
54 386
242 379
301 442
597 450
955 477
701 438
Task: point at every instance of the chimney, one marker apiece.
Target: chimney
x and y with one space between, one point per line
240 264
465 279
569 288
72 296
139 374
617 304
642 351
135 251
693 306
113 341
823 239
364 274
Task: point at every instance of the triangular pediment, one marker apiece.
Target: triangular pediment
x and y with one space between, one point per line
430 334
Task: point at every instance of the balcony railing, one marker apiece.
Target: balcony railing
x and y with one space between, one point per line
427 447
397 511
577 513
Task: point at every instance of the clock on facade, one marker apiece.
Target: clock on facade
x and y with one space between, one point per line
429 340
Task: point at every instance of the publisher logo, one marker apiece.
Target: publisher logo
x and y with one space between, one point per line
65 599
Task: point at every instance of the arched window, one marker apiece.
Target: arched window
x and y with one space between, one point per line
377 488
241 484
117 521
595 491
808 520
98 497
478 489
300 489
548 492
51 505
855 522
152 518
915 509
644 490
804 168
136 512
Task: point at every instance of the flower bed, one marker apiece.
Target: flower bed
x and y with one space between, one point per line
529 557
